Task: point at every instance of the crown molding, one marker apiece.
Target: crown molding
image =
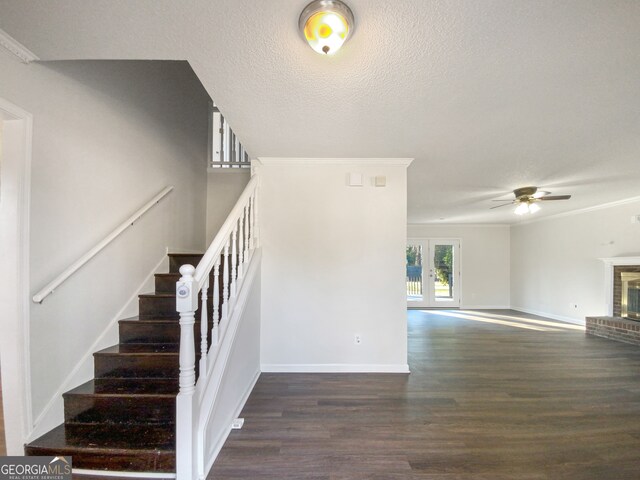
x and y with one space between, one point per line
16 48
462 225
579 211
362 162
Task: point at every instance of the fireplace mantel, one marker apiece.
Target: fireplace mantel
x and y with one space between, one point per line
615 261
608 275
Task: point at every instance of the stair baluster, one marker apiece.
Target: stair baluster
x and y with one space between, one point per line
215 338
256 221
225 284
240 250
245 255
234 263
204 322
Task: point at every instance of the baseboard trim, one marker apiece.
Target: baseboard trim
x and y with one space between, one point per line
562 318
485 307
334 368
463 307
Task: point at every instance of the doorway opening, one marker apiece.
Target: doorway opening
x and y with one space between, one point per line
15 167
433 273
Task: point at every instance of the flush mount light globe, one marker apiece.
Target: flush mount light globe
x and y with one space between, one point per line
326 25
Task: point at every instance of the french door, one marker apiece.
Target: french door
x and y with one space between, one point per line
433 273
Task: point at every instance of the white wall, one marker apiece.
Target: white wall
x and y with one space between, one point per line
333 265
484 252
223 190
107 136
555 269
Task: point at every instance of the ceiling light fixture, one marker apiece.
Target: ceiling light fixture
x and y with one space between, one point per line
326 25
526 207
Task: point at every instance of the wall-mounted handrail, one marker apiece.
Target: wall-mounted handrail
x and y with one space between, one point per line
73 268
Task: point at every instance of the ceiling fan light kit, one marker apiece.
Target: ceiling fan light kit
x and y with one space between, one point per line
526 207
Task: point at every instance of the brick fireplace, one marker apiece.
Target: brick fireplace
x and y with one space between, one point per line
621 274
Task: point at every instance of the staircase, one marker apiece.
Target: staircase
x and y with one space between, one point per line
125 418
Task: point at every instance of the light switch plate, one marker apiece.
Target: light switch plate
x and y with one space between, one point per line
355 179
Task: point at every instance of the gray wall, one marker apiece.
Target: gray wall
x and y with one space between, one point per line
107 136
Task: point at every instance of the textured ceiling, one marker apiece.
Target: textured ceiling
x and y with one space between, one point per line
486 95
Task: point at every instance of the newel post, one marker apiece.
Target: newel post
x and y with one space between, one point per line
186 305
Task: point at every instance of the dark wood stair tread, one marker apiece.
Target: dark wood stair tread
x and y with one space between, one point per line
111 437
174 275
141 349
158 295
138 387
130 448
158 320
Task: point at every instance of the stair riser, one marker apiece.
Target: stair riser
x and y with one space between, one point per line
143 332
124 410
175 262
167 284
115 460
157 307
161 307
136 366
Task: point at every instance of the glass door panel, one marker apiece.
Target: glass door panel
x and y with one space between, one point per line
414 271
443 269
443 273
432 273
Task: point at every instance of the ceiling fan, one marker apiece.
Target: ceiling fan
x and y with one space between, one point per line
527 198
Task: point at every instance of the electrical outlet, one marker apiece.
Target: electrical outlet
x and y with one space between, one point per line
357 340
635 219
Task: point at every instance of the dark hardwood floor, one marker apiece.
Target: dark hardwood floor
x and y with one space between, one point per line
488 398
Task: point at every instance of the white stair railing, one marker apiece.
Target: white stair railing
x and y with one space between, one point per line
226 149
223 266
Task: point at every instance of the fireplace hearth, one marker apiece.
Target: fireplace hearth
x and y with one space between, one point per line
622 280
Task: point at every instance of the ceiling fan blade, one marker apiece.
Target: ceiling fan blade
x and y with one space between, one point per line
540 194
510 201
555 197
503 205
